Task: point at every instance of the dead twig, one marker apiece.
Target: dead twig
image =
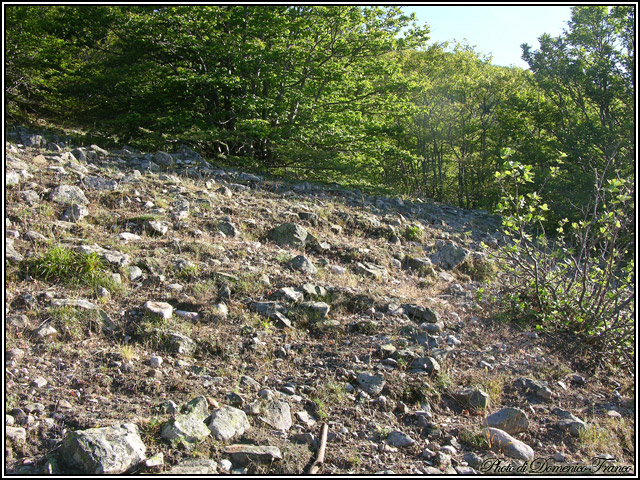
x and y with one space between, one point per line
315 466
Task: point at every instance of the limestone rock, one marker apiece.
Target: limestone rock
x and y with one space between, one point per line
161 309
277 414
372 270
418 312
188 428
304 265
111 450
194 466
245 454
501 441
289 234
227 423
67 195
399 439
372 384
510 420
449 256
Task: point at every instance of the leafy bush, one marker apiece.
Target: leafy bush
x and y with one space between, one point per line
413 233
582 280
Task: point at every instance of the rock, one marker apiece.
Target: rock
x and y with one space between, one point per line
39 382
106 450
372 384
229 229
11 178
318 310
277 414
158 227
46 332
74 213
314 290
449 256
245 454
35 236
181 344
163 159
99 183
539 389
399 439
30 197
16 354
10 253
194 466
188 428
227 423
472 459
289 234
501 441
68 195
414 312
570 422
79 154
428 364
372 270
475 397
32 140
304 265
510 420
128 236
155 361
160 309
289 294
17 434
338 269
134 273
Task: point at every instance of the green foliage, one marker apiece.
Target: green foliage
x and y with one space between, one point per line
61 264
413 233
583 279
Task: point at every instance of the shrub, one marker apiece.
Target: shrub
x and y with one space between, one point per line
583 279
413 233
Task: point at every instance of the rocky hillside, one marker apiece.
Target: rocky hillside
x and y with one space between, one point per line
167 315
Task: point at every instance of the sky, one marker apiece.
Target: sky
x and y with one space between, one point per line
494 30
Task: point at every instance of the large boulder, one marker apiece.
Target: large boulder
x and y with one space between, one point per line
449 256
103 450
289 234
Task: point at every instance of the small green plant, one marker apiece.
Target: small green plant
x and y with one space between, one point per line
61 264
320 409
473 439
414 233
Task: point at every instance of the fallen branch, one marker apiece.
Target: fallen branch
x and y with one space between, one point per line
315 466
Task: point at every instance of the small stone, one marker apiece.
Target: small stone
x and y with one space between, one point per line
277 414
155 361
399 439
510 420
161 309
559 457
372 384
245 454
39 382
304 265
17 434
475 397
